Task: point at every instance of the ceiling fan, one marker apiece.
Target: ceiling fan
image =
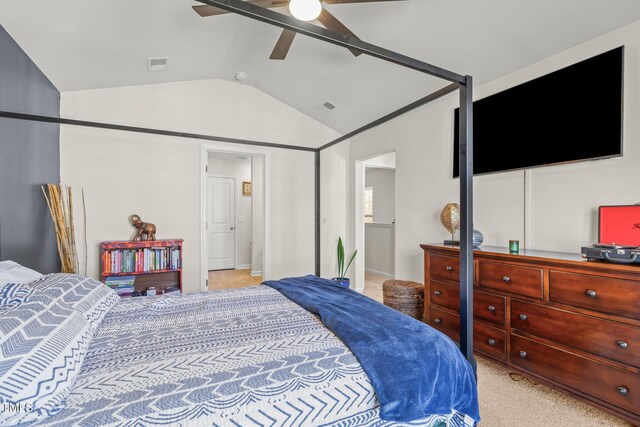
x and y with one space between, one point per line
305 10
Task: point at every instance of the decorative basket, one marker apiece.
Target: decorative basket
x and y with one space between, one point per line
405 296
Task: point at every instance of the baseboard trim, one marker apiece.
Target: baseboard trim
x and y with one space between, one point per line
243 266
256 273
381 273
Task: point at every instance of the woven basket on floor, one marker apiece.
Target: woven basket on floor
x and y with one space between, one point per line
405 296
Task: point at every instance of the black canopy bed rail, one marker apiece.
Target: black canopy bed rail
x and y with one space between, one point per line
458 82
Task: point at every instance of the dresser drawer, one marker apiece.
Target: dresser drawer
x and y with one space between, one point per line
618 387
489 340
511 278
445 322
486 339
445 295
444 267
605 338
486 306
489 307
607 295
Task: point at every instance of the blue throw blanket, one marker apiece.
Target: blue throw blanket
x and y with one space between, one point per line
415 370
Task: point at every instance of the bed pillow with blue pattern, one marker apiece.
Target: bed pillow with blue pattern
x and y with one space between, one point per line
45 330
42 345
92 298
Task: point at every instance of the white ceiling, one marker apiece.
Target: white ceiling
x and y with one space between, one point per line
88 44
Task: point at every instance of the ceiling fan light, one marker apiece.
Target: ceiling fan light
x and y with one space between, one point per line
305 10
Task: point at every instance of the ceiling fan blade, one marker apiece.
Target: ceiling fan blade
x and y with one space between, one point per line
283 45
332 23
354 1
206 10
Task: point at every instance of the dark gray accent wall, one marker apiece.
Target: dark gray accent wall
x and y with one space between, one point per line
29 157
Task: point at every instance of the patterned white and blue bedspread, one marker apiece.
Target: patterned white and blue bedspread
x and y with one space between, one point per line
242 357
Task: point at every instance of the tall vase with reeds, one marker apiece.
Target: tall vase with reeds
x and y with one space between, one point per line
60 203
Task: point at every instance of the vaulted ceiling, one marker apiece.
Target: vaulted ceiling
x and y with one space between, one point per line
90 44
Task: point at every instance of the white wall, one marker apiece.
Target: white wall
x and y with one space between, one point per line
334 200
257 212
379 236
379 248
383 183
562 203
384 161
159 177
240 170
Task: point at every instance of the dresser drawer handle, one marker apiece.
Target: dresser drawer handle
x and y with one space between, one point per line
437 292
622 344
622 390
506 279
448 268
436 320
491 341
522 316
491 308
522 354
591 293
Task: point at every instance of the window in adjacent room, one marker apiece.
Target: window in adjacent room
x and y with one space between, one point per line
368 204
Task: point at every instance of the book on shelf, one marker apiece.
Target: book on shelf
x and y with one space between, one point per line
140 260
119 281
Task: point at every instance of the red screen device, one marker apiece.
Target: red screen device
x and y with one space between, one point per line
619 225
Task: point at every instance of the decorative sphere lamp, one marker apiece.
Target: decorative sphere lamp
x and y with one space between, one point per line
305 10
450 219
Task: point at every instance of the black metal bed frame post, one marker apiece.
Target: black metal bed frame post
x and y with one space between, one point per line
466 211
317 210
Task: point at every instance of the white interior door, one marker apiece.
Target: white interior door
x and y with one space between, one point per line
221 233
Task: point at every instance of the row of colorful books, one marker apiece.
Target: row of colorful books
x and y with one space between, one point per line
123 285
140 260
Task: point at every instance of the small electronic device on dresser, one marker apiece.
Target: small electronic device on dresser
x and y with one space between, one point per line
618 235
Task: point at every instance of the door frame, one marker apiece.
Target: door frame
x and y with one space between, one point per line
227 148
357 221
235 214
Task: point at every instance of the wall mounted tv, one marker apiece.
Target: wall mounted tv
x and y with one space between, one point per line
569 115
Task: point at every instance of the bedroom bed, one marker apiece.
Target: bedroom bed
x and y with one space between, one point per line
463 84
242 357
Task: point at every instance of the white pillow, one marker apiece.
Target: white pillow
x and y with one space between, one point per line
12 272
43 343
88 296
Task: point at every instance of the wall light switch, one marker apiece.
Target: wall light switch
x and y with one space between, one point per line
241 218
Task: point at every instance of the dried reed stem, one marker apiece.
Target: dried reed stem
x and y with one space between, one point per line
61 210
86 251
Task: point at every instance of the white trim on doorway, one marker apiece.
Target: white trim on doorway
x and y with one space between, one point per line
266 238
358 224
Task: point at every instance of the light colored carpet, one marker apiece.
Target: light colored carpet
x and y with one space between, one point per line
508 403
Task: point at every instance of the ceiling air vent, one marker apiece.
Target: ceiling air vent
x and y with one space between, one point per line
157 64
328 105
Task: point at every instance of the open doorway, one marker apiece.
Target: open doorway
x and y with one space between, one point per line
233 219
377 221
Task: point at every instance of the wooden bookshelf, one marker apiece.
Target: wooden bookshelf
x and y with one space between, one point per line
153 263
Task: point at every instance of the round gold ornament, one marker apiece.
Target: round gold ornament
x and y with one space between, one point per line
450 218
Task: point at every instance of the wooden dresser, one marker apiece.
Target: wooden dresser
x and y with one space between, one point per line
568 323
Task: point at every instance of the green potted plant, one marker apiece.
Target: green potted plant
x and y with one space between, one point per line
341 279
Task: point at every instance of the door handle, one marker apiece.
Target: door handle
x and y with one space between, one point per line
231 228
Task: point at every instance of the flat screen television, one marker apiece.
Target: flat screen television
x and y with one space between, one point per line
569 115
